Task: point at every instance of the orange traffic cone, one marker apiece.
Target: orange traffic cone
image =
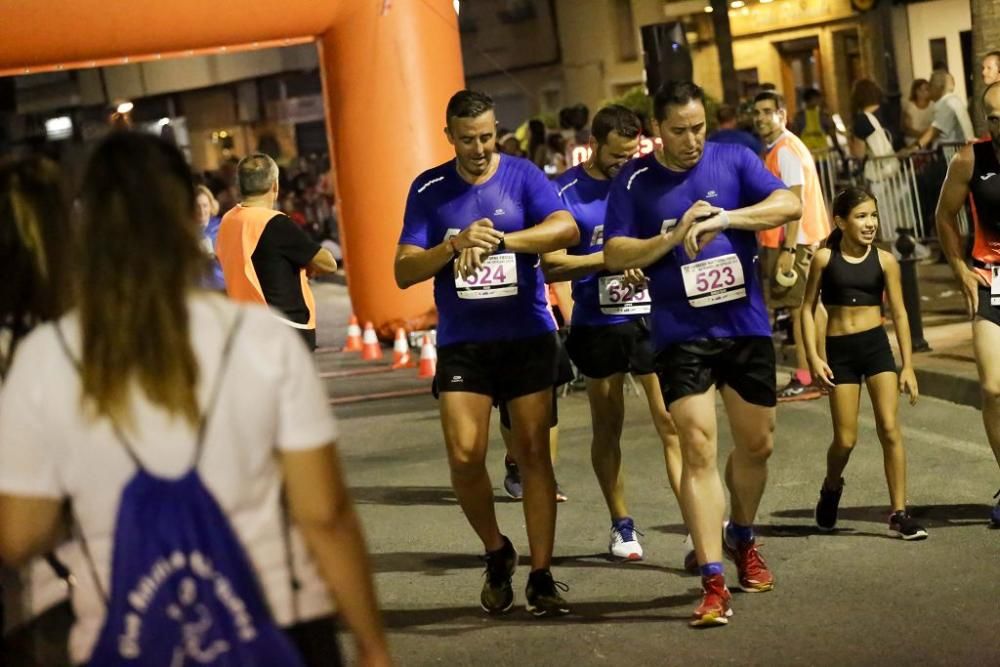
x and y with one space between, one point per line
401 351
428 358
353 336
371 348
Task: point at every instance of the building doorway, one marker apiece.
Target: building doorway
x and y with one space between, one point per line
800 69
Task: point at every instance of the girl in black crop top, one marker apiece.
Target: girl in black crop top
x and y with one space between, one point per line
850 276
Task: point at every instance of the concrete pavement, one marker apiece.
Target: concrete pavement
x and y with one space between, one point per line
855 597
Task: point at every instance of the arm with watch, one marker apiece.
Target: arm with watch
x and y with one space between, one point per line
778 208
414 264
557 231
786 261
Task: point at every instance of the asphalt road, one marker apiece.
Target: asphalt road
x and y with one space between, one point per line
856 597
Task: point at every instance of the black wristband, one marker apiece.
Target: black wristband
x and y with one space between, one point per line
787 249
502 246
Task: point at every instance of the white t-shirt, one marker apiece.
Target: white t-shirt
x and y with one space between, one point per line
951 118
271 399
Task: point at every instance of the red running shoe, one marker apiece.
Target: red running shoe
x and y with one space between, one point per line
755 577
714 608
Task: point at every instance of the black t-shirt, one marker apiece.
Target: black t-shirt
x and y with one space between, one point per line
863 128
282 251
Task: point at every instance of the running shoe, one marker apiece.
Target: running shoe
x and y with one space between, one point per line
715 604
498 593
902 525
543 595
995 514
755 577
624 542
796 391
512 481
826 508
561 496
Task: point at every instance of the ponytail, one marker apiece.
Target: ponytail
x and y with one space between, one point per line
834 239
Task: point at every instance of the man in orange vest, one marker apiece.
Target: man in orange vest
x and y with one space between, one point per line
266 258
786 251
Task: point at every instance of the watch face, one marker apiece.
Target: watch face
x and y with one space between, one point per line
863 5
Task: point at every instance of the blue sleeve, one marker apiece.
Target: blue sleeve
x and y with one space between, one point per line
416 222
756 182
540 199
619 220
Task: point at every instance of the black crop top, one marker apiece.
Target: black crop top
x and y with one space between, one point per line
847 284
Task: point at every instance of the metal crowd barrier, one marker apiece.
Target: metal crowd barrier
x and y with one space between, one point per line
907 189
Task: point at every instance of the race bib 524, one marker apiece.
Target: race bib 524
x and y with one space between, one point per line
496 278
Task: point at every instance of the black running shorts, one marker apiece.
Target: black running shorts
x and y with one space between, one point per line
854 357
500 369
603 351
564 375
746 364
987 311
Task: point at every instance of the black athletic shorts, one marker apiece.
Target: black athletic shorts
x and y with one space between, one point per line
500 369
746 364
987 311
854 357
564 375
603 351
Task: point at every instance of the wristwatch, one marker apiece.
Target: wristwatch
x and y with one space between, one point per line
502 246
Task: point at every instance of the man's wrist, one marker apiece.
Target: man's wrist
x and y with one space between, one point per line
452 246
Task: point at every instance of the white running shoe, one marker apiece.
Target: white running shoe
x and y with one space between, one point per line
624 540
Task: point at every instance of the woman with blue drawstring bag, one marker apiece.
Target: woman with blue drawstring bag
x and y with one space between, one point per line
191 441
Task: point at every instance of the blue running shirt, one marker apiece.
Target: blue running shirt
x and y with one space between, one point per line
708 299
586 198
507 301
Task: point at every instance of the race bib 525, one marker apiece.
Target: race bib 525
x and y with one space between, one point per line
620 298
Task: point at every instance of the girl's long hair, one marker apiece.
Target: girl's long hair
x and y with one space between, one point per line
843 204
140 255
34 248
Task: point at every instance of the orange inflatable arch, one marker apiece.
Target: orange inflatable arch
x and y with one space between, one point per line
388 69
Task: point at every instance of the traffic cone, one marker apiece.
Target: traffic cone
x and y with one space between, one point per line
353 336
428 358
401 351
371 348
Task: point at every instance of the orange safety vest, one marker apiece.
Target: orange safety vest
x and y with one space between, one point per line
239 234
815 226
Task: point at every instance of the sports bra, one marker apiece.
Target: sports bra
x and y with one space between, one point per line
847 284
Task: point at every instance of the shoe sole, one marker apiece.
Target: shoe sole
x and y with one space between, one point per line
498 612
632 557
921 535
712 620
511 495
538 612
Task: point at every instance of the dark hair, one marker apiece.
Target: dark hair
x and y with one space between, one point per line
726 113
845 202
34 248
915 86
675 93
140 254
770 95
256 174
468 104
864 94
615 118
811 94
767 85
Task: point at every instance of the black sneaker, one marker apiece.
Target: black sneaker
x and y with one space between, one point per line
826 508
903 526
498 593
543 595
995 512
